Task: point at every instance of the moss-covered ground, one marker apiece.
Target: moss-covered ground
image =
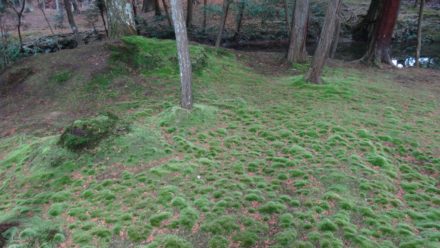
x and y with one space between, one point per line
261 161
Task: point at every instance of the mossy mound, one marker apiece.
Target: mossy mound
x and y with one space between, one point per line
155 56
88 132
200 115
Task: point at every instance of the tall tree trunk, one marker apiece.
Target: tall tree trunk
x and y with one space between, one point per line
364 30
241 7
205 14
120 18
150 5
335 42
325 41
286 14
70 18
157 10
189 13
379 47
135 16
226 4
29 6
297 48
165 7
186 101
75 5
41 6
102 10
419 33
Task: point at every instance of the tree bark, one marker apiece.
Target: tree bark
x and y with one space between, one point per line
241 7
419 33
205 15
120 18
335 42
379 47
297 48
286 13
186 101
150 5
189 13
226 4
165 7
71 19
325 41
364 30
41 6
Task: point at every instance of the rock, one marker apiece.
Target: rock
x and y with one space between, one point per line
87 133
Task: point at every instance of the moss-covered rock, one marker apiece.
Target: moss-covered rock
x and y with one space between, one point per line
88 132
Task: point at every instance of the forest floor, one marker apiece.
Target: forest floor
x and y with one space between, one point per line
264 159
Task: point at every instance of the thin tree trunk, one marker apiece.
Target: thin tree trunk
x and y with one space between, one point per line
165 7
70 18
189 13
183 54
157 10
205 14
379 47
335 42
226 4
297 48
419 33
286 13
241 7
102 10
19 13
135 16
41 5
75 5
325 41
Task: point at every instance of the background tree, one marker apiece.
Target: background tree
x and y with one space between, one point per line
71 19
325 41
120 18
189 13
379 46
226 5
19 12
297 47
419 33
186 101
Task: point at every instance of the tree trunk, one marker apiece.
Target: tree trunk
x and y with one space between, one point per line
70 18
165 7
41 6
325 41
241 7
75 5
364 30
286 13
335 42
226 4
419 33
102 10
379 46
297 48
189 13
157 11
186 101
29 6
205 14
120 18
